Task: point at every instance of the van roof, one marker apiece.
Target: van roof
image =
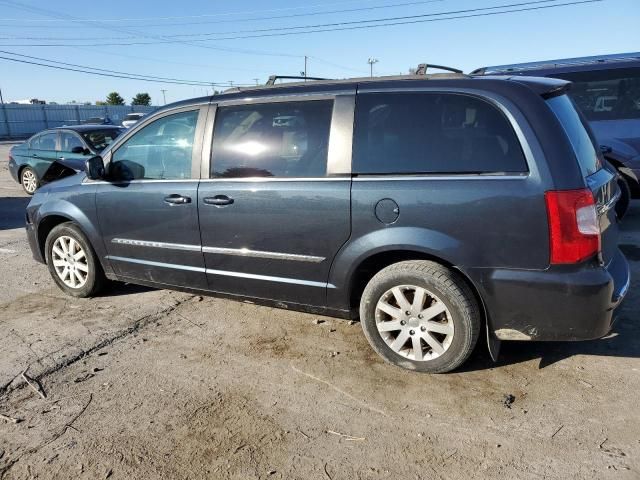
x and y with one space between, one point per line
541 85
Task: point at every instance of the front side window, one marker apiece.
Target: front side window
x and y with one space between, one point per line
159 151
433 133
69 141
272 140
46 141
606 94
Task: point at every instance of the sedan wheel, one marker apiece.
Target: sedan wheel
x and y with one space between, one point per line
29 181
70 262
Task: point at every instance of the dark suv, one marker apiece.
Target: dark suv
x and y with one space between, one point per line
607 91
434 207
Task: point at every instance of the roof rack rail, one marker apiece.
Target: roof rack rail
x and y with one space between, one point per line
422 68
273 78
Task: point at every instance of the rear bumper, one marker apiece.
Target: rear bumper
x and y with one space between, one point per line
557 304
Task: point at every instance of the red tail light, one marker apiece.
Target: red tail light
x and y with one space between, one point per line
574 231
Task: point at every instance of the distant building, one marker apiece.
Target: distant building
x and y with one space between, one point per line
32 101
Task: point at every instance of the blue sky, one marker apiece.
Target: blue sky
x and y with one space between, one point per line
609 26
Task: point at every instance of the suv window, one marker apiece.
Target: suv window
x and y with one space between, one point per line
433 133
159 151
272 140
581 141
68 141
606 94
45 141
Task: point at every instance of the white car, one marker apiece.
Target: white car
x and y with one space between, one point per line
131 119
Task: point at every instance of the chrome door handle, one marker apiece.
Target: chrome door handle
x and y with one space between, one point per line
176 199
218 200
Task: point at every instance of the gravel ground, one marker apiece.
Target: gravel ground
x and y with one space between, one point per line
144 383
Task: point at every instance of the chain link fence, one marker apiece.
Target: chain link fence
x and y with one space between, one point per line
22 121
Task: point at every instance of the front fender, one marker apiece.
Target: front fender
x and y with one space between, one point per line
392 239
81 211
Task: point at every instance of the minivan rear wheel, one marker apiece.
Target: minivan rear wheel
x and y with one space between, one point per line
421 316
72 263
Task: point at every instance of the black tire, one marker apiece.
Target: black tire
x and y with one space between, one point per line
95 278
622 206
27 182
449 288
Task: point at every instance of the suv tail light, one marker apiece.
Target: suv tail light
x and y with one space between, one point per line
574 231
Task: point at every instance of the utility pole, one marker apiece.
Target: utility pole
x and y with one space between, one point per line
164 97
256 80
371 62
1 100
305 67
231 82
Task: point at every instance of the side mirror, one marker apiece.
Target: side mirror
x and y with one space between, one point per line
94 167
606 149
78 150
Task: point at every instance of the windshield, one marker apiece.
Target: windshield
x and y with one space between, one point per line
100 139
606 94
581 141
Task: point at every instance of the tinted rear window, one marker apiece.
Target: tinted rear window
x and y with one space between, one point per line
581 141
433 133
606 94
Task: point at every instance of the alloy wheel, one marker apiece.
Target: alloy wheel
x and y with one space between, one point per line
414 322
29 181
70 261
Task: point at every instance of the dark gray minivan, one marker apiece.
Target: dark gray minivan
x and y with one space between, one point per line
435 208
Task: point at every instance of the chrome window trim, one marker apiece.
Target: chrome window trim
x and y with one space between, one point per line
278 179
435 176
339 152
245 252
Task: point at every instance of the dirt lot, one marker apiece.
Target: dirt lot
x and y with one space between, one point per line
155 384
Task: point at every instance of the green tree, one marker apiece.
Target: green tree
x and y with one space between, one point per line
101 103
141 99
114 98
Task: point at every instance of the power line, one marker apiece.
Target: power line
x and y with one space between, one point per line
222 14
301 27
253 19
66 17
355 25
104 74
153 77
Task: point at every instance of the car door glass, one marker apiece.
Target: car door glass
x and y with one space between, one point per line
409 133
288 139
159 151
68 141
47 141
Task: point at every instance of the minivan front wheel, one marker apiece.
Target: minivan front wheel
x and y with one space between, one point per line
421 316
72 263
